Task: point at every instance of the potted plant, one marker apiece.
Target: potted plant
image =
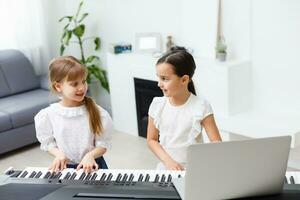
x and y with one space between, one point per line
221 49
75 29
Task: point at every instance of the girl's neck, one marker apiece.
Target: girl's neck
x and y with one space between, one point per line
67 103
180 99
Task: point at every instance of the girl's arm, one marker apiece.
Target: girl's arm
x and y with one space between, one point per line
88 161
211 129
156 148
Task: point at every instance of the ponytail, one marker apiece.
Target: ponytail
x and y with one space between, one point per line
94 115
191 87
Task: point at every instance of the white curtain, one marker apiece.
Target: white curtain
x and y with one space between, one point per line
23 27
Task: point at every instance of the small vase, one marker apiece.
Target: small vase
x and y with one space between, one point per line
221 57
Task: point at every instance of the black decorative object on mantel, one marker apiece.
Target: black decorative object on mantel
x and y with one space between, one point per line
145 91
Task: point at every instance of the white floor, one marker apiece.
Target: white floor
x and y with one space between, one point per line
128 152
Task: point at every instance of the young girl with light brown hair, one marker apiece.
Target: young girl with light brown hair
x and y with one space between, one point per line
75 130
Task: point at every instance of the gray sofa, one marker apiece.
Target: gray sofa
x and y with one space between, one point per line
22 95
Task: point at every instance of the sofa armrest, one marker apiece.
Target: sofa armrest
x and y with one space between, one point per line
44 82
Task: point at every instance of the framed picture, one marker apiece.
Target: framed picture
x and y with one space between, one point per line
148 42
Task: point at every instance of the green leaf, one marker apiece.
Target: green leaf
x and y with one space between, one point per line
82 17
68 37
100 74
62 49
63 36
91 59
97 43
79 30
66 26
66 17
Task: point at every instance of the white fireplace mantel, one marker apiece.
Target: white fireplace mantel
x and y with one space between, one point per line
227 85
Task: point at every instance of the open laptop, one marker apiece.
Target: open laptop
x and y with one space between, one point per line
235 169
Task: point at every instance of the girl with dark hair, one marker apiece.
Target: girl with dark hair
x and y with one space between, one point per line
76 131
177 118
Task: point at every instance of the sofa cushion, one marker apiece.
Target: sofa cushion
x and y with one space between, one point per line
18 71
23 107
5 123
4 89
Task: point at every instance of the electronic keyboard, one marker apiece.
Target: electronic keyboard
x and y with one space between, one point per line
40 183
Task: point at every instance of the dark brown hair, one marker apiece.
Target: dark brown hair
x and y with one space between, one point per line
68 68
183 64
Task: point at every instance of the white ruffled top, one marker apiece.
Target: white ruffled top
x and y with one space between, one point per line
67 128
179 126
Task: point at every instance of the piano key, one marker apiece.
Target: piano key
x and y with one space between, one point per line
38 174
79 174
66 173
82 176
23 174
32 174
72 177
156 178
147 178
130 177
119 177
88 176
103 177
109 177
163 178
292 180
125 176
47 175
141 176
94 176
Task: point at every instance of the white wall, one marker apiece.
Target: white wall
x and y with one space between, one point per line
264 31
275 48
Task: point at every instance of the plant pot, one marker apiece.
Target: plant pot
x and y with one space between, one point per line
221 57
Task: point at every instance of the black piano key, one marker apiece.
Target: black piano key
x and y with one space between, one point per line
32 174
163 178
109 177
285 180
16 174
141 177
131 177
119 177
179 176
47 175
147 178
156 178
57 175
52 175
68 174
24 174
125 176
9 172
94 177
292 180
88 176
169 178
38 174
103 177
73 176
82 176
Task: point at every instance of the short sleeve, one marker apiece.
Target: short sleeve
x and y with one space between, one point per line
104 140
44 131
155 109
202 110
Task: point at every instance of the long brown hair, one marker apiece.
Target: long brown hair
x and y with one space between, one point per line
68 68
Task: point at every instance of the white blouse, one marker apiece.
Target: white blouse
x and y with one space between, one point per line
179 126
67 128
